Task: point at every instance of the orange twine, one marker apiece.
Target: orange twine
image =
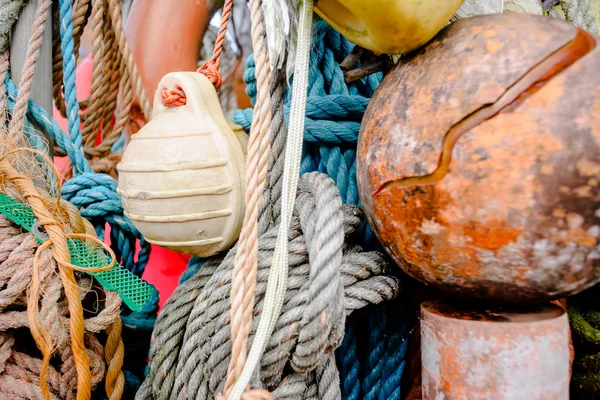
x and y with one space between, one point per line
211 69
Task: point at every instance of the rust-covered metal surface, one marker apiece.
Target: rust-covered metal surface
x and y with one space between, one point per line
479 159
494 354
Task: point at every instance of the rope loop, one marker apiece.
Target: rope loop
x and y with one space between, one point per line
212 70
175 97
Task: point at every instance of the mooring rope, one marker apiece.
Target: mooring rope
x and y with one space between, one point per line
191 343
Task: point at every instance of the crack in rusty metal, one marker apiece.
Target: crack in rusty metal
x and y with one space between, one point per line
529 83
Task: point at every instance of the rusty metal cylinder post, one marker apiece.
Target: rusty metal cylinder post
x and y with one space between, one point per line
494 354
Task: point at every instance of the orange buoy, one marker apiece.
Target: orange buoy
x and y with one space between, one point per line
479 159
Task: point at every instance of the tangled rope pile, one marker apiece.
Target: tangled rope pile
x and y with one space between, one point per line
20 365
94 194
52 303
114 72
191 344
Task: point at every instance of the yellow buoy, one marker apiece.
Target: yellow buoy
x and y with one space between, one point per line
388 26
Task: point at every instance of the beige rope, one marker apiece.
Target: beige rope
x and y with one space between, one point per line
97 91
4 68
112 70
244 272
22 186
581 14
115 12
33 52
19 372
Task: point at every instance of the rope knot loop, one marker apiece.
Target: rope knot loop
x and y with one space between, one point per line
175 97
211 70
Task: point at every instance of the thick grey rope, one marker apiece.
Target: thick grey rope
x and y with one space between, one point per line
177 311
173 318
214 353
292 387
218 275
322 325
208 327
204 341
203 331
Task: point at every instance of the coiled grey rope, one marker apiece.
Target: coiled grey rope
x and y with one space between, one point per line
195 366
580 13
577 12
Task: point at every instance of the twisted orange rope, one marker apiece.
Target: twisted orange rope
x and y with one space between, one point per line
211 69
114 352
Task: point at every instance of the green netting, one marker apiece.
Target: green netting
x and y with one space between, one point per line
133 290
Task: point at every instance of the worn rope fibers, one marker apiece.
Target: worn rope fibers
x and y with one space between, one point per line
114 72
191 341
20 362
95 194
327 238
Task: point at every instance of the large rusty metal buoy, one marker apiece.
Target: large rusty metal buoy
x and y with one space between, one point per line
479 159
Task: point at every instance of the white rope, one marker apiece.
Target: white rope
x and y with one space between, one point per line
277 283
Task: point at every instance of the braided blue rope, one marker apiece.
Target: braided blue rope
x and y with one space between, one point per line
393 367
193 267
395 352
349 364
95 195
377 345
338 125
333 115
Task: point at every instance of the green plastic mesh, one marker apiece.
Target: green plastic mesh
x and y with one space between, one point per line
133 290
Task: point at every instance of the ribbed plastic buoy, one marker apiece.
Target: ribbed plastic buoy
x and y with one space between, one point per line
181 178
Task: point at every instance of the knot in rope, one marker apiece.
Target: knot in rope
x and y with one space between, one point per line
211 70
334 111
175 97
20 367
106 165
